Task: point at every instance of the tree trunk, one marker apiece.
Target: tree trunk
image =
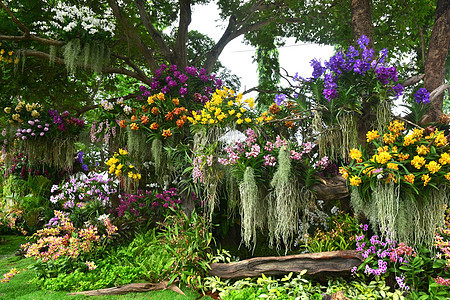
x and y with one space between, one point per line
362 25
436 57
362 20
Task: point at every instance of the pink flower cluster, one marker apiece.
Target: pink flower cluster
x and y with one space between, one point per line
64 239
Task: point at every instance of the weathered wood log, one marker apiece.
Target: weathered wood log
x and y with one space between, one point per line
132 288
324 263
331 189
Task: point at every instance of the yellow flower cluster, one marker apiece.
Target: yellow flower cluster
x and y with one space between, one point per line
25 110
118 165
226 106
7 56
371 135
402 157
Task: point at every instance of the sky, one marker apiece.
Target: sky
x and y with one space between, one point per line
294 57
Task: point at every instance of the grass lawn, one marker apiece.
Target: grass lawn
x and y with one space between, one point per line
20 287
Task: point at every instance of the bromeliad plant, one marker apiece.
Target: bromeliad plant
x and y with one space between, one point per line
402 179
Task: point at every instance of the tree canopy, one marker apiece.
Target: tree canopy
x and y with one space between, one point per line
132 38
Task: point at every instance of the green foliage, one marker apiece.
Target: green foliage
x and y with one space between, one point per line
339 234
298 287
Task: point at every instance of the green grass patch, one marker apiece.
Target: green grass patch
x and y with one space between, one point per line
22 287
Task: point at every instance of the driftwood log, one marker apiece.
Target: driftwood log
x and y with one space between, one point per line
334 188
324 263
132 288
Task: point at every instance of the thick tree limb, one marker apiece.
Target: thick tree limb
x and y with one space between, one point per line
413 80
180 51
438 91
155 34
129 31
132 288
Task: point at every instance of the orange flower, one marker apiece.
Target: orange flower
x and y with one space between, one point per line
169 116
180 123
144 119
155 111
134 126
166 133
154 126
123 123
274 108
176 101
161 96
177 111
133 118
289 124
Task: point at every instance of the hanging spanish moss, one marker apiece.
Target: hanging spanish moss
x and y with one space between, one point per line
349 134
52 52
211 184
384 115
157 154
71 55
249 202
289 198
412 221
90 55
232 190
136 143
57 152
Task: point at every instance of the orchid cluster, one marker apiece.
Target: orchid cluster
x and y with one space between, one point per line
65 123
228 109
160 116
70 19
77 192
263 155
382 256
7 56
120 165
147 205
79 159
190 84
62 239
355 66
417 159
103 132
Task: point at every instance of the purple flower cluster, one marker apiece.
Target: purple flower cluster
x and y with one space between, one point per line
352 62
383 253
422 96
168 198
79 160
386 74
170 80
64 120
128 202
279 99
35 129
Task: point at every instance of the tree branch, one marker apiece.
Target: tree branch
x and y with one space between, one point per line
15 20
109 70
413 80
129 31
438 91
155 34
180 51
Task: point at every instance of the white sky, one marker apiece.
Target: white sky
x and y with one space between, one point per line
238 57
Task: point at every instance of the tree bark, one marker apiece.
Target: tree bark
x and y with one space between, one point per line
362 20
436 58
324 263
